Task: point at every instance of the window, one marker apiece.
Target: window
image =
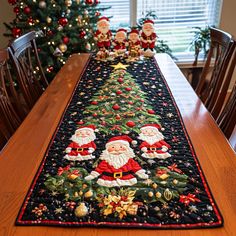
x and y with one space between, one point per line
176 18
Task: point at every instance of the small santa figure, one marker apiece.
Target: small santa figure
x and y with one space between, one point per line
134 43
148 38
120 42
154 145
103 37
117 166
82 145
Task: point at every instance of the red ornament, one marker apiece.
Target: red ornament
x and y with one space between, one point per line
82 34
130 102
63 21
16 32
116 107
120 80
97 13
89 2
16 10
80 122
118 92
95 114
12 2
27 10
66 40
96 2
103 123
128 89
50 69
118 117
151 112
49 33
30 21
94 102
141 100
130 124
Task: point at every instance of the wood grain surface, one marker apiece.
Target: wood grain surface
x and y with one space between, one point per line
21 157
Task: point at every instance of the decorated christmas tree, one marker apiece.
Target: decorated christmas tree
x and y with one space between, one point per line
65 27
120 105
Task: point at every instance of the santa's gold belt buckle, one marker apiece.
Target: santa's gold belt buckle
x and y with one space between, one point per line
80 149
152 148
117 175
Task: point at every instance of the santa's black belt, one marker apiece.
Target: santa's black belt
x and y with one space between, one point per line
116 175
153 149
80 149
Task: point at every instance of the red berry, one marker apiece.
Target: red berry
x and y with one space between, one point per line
116 107
128 89
66 40
118 92
141 100
120 80
94 102
130 102
130 124
95 114
151 112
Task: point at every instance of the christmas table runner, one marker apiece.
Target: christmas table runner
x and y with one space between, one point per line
120 157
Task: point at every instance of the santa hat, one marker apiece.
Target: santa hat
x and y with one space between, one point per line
155 126
148 22
134 31
103 18
119 139
88 127
122 30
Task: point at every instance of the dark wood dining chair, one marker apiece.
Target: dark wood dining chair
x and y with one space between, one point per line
227 118
10 119
30 75
220 52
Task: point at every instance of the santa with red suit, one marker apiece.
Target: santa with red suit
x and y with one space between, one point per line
120 41
154 145
148 38
82 145
117 166
103 34
134 43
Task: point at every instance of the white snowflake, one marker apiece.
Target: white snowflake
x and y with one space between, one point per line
193 209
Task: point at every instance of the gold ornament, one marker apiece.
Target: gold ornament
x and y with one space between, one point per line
154 185
150 194
68 3
81 210
42 4
168 194
119 66
175 181
76 194
62 47
158 195
88 194
49 19
164 176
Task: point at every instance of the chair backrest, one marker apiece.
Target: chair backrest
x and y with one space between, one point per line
30 75
227 118
221 50
9 117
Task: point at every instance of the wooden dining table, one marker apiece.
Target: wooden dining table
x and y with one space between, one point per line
22 155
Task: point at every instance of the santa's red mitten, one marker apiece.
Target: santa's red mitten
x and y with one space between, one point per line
141 174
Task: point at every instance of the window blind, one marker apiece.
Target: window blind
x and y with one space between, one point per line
120 12
176 19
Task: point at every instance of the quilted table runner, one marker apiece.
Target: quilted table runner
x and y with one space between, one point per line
120 157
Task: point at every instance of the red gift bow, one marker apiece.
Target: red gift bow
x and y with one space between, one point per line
187 199
75 172
174 168
161 172
61 170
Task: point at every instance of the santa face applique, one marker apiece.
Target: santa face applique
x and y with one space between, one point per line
153 145
117 166
82 145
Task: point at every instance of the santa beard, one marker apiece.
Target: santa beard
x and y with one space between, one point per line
148 32
151 139
81 140
117 161
103 31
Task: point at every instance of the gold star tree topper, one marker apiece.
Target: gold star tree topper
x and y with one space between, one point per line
119 66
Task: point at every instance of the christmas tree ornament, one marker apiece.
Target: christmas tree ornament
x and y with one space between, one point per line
57 52
81 210
168 194
88 194
30 21
97 13
120 80
96 1
175 181
42 4
116 107
130 124
119 66
89 2
50 69
16 32
68 3
154 185
78 1
151 111
86 13
59 28
12 2
88 46
63 47
27 10
118 92
128 89
150 194
94 102
49 20
16 10
63 21
66 40
82 34
158 195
